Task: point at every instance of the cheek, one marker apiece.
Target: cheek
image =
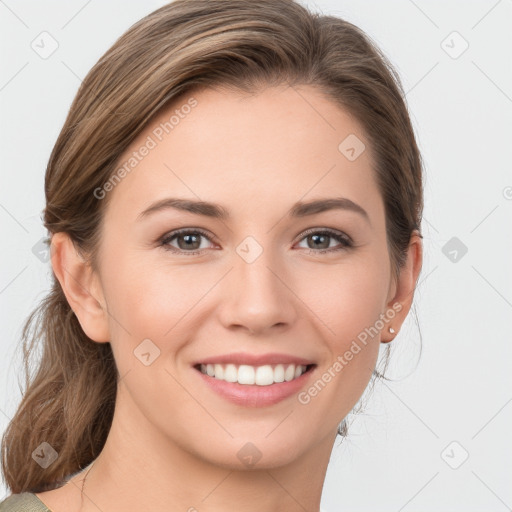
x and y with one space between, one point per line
346 298
149 297
350 307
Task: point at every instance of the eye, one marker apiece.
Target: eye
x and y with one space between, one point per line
321 240
189 241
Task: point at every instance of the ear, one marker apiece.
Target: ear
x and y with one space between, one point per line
405 285
81 286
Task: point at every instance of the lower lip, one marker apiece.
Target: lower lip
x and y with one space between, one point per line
253 395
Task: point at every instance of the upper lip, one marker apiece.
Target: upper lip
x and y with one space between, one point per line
239 358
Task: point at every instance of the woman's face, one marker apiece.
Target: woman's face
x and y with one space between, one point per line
271 278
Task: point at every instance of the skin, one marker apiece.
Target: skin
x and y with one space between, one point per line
172 437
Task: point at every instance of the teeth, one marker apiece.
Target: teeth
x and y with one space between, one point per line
231 373
289 373
264 375
250 375
245 374
219 371
279 373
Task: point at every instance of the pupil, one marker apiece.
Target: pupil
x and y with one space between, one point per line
316 237
188 238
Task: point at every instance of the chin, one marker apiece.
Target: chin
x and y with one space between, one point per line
257 450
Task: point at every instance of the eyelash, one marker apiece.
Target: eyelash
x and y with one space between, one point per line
338 236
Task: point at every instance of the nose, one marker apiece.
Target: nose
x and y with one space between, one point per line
259 297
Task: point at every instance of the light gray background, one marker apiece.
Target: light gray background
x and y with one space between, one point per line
395 458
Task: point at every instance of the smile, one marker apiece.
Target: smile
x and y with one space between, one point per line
265 375
255 380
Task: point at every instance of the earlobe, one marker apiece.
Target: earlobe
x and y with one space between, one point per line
81 287
405 286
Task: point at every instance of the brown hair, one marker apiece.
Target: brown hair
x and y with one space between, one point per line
187 44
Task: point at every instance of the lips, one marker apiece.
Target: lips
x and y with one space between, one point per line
255 380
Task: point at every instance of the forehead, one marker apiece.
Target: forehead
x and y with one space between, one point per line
277 146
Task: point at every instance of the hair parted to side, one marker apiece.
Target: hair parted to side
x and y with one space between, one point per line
185 45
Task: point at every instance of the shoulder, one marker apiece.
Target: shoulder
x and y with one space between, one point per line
24 502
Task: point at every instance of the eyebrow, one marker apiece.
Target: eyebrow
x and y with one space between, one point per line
216 211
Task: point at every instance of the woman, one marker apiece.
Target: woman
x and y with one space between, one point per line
234 204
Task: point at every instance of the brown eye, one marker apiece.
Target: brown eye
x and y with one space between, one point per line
188 241
320 241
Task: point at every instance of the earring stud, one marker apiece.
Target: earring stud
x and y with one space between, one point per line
391 330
